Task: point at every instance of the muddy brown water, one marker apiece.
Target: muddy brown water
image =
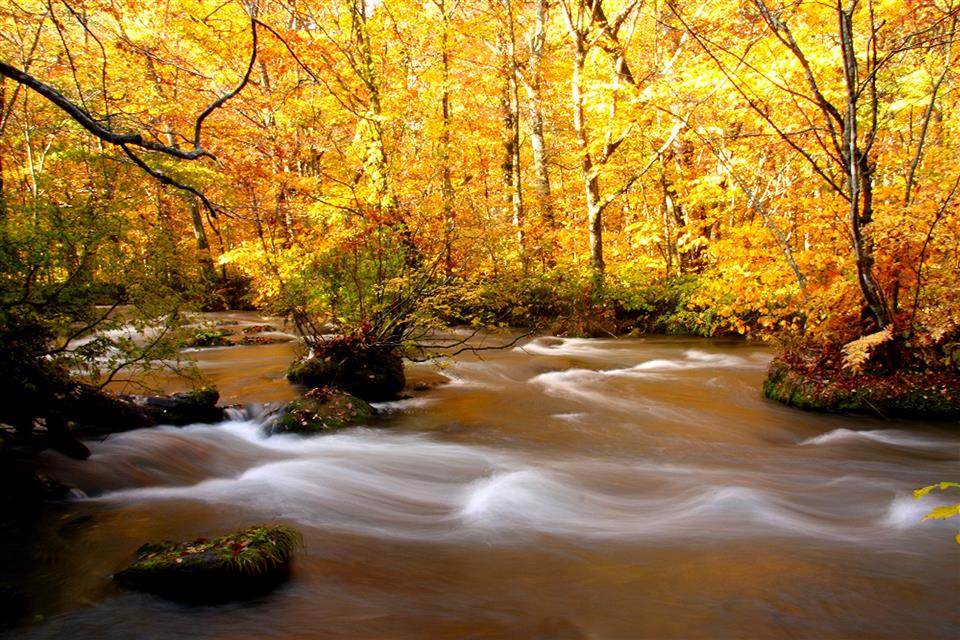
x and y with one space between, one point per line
565 489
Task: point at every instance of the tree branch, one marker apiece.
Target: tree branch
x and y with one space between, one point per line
926 243
219 102
164 179
653 159
88 122
927 115
752 103
95 127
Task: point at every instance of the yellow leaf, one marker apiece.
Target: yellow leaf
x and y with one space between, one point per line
943 512
943 486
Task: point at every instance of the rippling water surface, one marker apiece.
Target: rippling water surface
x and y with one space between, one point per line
569 489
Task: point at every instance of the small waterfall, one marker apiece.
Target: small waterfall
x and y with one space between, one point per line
264 414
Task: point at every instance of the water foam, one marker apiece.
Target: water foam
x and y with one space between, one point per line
552 346
412 487
589 387
405 404
905 512
891 437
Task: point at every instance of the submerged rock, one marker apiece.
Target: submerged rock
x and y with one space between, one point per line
320 410
234 566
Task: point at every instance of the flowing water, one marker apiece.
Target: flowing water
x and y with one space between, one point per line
564 489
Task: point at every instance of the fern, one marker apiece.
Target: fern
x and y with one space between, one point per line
857 353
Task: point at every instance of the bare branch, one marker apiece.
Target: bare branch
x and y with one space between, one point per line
146 353
757 205
83 117
926 243
350 108
6 111
653 160
82 330
464 348
219 102
927 115
88 122
103 53
783 33
752 103
164 179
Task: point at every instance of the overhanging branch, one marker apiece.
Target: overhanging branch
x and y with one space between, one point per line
126 140
88 122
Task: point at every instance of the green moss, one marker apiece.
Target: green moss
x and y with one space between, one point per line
905 394
369 371
236 565
209 338
205 396
321 410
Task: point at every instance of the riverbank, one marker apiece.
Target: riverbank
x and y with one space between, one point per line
924 394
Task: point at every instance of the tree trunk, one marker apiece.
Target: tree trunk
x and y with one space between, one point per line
446 184
538 146
859 176
587 170
512 187
517 196
203 245
3 122
375 162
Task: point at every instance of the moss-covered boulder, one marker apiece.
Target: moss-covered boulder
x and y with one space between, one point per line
234 566
321 410
230 334
370 371
907 393
188 407
205 338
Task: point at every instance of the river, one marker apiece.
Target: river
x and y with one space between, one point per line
563 489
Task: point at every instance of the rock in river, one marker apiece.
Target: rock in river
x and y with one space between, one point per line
322 409
371 372
235 566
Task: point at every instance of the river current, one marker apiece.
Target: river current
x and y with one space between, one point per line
562 489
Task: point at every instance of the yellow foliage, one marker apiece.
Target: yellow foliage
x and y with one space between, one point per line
333 137
857 353
946 511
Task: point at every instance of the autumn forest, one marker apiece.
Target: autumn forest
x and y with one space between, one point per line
784 170
491 319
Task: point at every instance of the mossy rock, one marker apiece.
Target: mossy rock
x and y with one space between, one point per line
369 372
209 338
235 566
232 336
931 395
322 410
188 407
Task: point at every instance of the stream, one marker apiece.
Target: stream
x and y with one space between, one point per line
635 488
